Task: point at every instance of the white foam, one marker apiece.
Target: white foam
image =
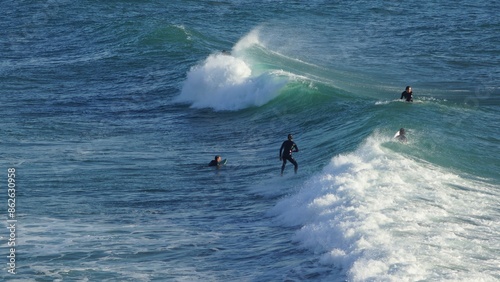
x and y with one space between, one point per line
227 82
106 248
378 215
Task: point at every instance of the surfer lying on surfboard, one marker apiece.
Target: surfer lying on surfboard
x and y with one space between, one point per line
217 161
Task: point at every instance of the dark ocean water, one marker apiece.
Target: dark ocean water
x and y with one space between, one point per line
112 110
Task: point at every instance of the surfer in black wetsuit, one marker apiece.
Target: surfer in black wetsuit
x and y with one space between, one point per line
401 136
407 94
286 150
215 161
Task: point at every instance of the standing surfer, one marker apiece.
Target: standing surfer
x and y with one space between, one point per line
286 150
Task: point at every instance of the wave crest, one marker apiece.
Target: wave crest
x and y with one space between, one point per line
227 82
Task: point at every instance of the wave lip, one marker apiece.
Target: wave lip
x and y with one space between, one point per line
229 82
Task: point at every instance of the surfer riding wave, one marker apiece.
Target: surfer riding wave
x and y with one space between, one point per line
286 150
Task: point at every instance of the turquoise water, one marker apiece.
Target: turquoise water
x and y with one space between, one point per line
112 111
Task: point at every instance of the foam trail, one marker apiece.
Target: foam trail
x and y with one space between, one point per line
227 82
380 216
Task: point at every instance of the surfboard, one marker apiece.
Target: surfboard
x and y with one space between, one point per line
221 163
396 135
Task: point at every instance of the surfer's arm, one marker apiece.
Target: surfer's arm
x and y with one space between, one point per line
281 149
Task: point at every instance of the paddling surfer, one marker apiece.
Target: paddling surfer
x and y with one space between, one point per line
407 94
400 136
216 161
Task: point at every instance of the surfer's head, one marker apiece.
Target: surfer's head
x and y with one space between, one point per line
290 137
402 131
217 158
408 89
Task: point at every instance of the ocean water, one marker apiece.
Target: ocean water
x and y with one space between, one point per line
111 111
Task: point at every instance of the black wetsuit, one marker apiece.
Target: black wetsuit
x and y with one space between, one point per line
286 154
407 96
213 163
402 138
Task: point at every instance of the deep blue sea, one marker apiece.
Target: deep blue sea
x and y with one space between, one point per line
112 110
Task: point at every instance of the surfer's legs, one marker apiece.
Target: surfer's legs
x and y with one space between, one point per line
294 162
290 159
